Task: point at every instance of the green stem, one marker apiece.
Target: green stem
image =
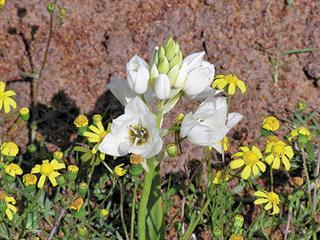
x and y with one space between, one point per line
133 208
191 228
124 227
142 211
304 158
88 184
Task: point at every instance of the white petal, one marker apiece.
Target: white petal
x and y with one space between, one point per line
121 90
234 119
110 146
198 80
136 107
187 124
138 75
162 87
194 60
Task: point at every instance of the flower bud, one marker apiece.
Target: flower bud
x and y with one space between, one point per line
301 106
179 118
298 181
163 66
63 12
58 155
162 87
30 181
97 118
217 233
61 180
172 150
136 159
119 170
32 148
81 122
238 222
24 113
72 172
82 189
83 231
76 204
104 213
236 237
51 7
138 75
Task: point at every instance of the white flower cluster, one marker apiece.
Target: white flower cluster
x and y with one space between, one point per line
168 78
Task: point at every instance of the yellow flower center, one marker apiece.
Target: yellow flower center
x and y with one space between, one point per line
81 121
136 159
29 179
250 158
47 168
138 134
278 149
73 169
273 198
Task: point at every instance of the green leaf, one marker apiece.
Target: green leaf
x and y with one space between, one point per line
4 231
302 50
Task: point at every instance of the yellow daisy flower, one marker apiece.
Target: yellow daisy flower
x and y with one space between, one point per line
119 170
81 121
77 204
236 237
9 149
47 169
9 202
97 134
271 124
29 179
230 81
279 152
250 159
300 131
5 98
271 198
272 139
13 169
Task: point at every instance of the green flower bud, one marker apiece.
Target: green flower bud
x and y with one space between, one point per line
24 113
9 158
32 148
301 106
163 66
63 12
136 170
58 155
217 233
82 189
302 139
51 7
103 213
82 130
170 49
96 119
61 180
172 150
238 222
72 173
83 231
161 53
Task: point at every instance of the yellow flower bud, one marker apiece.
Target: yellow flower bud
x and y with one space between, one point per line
24 113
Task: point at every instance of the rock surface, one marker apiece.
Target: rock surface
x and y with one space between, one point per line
97 38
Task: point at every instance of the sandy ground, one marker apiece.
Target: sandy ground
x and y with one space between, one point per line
98 37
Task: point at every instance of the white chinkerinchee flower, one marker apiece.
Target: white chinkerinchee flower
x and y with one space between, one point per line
210 123
133 132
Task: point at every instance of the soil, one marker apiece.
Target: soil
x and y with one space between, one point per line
97 38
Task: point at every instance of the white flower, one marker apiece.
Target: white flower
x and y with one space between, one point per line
121 90
195 75
162 87
138 75
133 132
210 123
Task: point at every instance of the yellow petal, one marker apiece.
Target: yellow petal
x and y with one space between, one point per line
269 159
12 208
268 206
36 169
222 84
9 93
255 170
9 214
2 86
41 181
260 194
246 172
238 154
52 180
216 82
276 209
256 151
232 89
10 200
289 151
56 165
242 86
286 163
276 163
236 163
260 201
244 149
262 166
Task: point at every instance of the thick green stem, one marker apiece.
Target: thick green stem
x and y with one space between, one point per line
133 210
142 211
